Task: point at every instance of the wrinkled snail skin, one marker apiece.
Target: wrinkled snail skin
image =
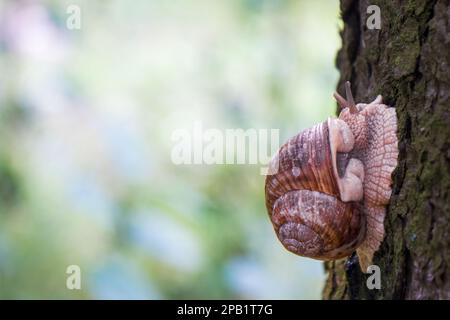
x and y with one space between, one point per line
328 186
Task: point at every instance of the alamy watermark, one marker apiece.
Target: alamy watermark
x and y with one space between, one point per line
374 20
229 146
374 280
73 281
73 21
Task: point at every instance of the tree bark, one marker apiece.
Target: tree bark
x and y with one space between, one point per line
407 61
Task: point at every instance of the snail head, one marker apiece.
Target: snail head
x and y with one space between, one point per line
350 113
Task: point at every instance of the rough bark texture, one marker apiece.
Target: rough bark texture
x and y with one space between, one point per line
408 62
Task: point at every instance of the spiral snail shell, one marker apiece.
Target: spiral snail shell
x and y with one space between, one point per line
328 186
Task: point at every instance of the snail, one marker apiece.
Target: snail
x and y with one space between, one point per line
328 186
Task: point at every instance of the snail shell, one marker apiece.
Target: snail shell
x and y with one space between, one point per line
328 186
304 201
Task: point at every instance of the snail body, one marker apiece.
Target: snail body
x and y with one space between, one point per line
328 186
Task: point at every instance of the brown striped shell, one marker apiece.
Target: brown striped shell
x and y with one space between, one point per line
303 199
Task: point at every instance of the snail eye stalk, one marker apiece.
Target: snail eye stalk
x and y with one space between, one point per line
349 102
349 96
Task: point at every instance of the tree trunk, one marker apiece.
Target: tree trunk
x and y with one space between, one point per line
407 61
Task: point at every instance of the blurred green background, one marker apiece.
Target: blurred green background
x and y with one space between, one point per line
86 118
